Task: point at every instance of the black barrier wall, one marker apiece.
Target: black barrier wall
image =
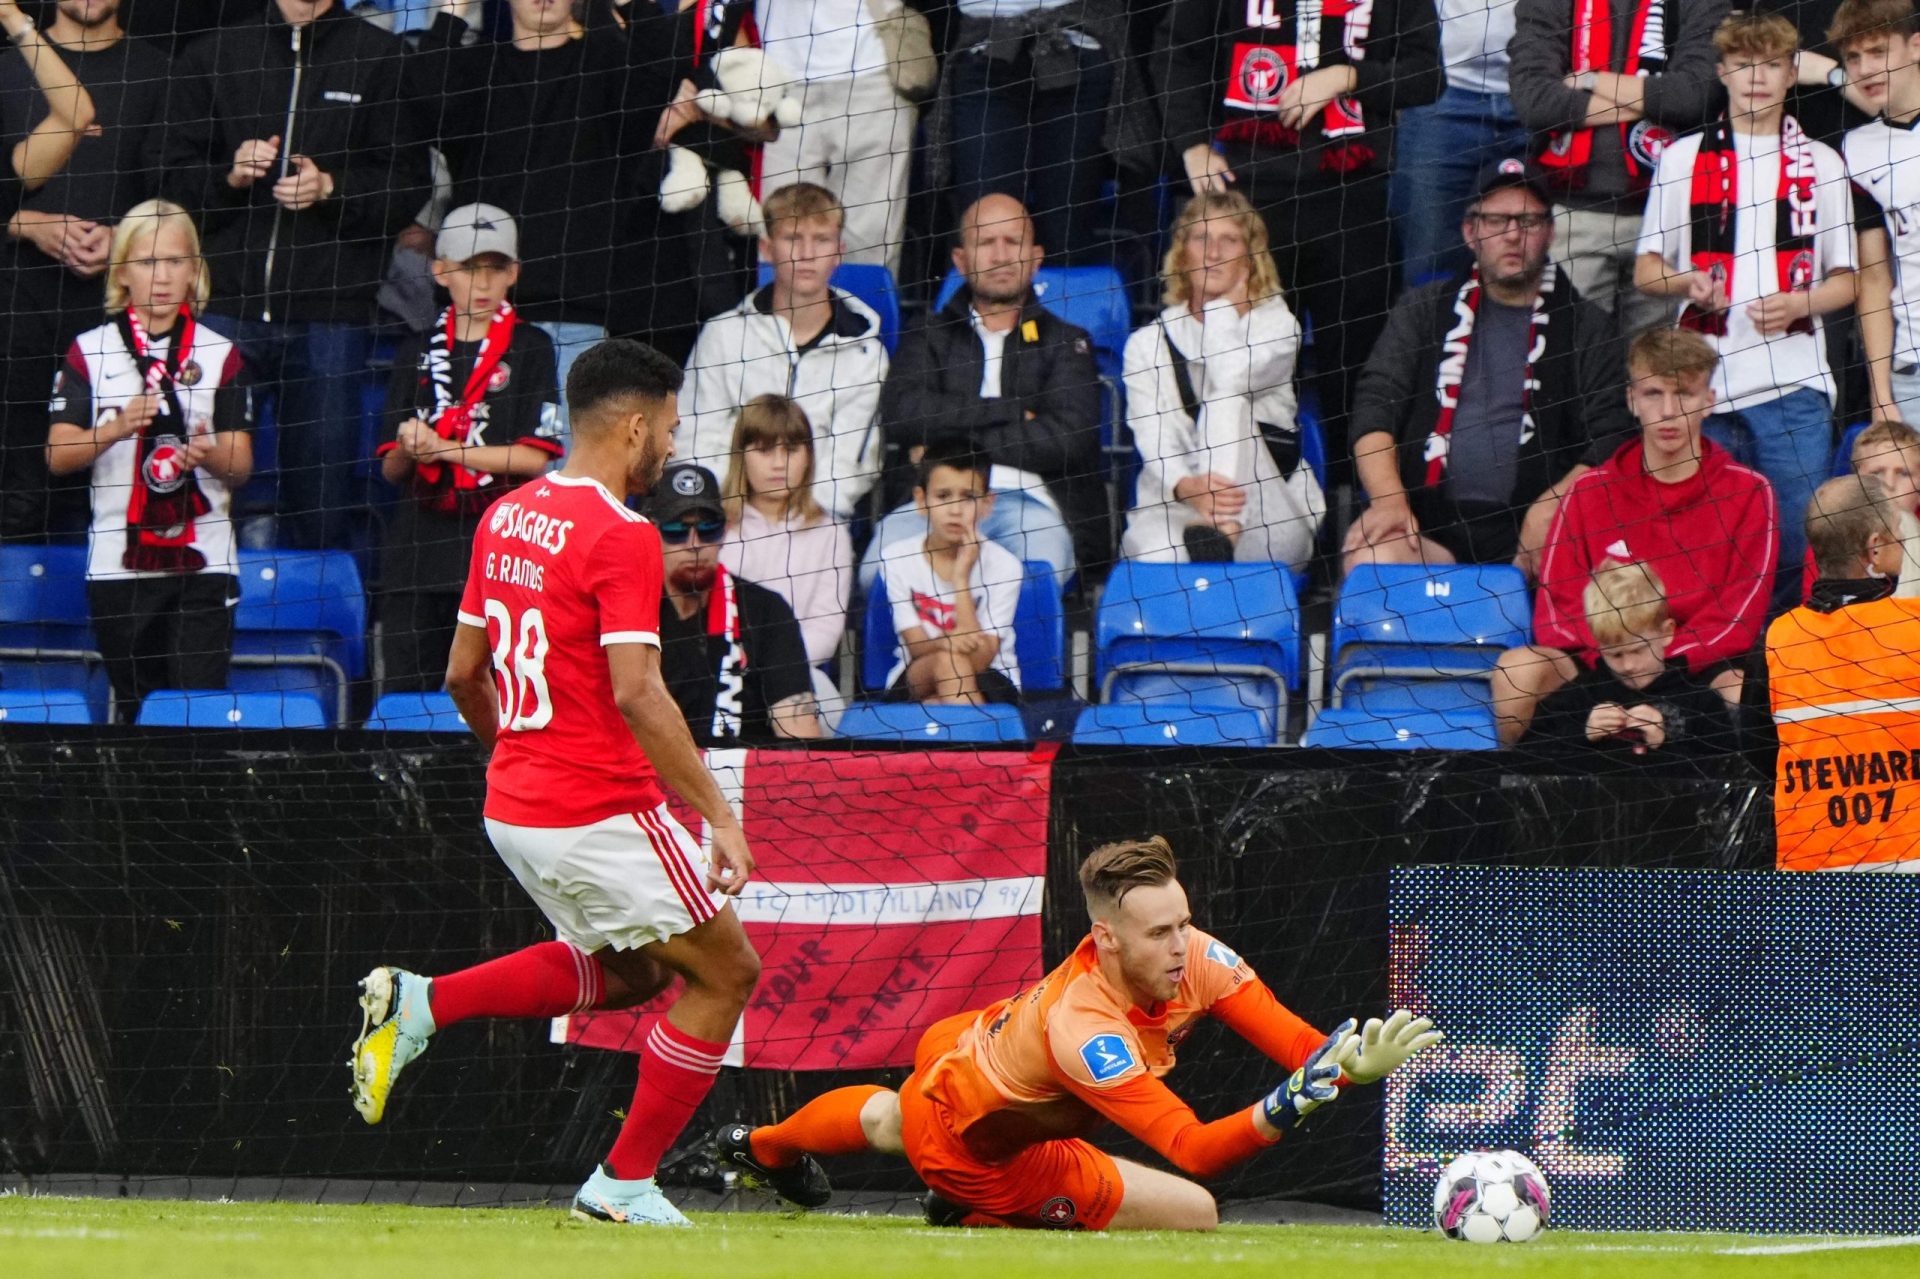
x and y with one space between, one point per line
183 918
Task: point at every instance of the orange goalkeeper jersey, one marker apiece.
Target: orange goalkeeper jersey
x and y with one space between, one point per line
1071 1052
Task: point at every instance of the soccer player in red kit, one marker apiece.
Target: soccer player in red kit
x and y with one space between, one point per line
556 668
995 1115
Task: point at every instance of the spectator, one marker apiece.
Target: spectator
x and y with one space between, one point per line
778 536
996 367
1605 86
1841 673
1211 403
1751 223
33 160
855 136
298 235
472 410
1464 426
800 337
152 403
1303 126
1888 453
953 593
62 231
1879 40
731 652
1634 699
1670 500
558 125
1440 149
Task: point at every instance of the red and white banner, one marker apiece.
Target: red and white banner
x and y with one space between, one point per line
893 889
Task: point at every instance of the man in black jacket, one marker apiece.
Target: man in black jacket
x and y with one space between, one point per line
995 367
1486 397
286 143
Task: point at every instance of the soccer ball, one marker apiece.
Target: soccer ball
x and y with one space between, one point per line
1491 1196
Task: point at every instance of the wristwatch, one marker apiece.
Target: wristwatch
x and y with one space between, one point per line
1587 81
1837 78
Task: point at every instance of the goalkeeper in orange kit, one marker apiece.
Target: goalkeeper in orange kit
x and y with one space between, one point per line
995 1115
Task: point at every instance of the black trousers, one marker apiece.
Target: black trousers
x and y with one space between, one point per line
163 632
416 632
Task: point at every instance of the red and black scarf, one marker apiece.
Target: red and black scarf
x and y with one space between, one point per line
1453 368
730 681
166 497
1570 151
447 487
1715 204
1261 71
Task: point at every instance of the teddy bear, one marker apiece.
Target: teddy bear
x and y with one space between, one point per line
745 92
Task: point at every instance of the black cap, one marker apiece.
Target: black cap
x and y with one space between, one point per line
685 490
1510 172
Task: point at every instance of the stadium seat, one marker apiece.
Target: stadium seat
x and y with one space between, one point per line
300 610
416 713
222 708
915 722
1212 691
873 285
1843 451
34 677
49 706
1395 695
1349 728
1412 622
1093 297
1039 634
43 602
1170 724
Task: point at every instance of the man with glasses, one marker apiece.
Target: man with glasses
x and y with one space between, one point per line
1486 397
730 650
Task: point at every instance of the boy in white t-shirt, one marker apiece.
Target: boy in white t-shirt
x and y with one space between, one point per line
1750 223
953 593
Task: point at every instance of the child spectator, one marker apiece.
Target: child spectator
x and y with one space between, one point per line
777 534
1670 500
1888 453
472 409
953 595
1635 698
1751 224
151 402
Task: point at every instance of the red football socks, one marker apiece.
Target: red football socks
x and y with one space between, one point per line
676 1072
552 979
827 1125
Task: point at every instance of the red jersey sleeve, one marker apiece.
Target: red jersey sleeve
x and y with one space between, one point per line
623 577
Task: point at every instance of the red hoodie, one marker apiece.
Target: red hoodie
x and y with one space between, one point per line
1713 539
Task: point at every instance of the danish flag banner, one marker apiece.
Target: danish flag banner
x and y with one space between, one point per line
893 889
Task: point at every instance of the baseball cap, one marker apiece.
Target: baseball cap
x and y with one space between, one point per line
1510 172
685 490
474 229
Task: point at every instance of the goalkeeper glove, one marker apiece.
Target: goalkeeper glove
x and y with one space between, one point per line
1316 1083
1384 1047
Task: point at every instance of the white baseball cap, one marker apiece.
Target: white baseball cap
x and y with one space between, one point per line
474 229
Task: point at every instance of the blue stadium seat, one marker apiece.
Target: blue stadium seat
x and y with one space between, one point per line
1093 297
914 722
1170 724
1843 451
220 708
33 677
1212 691
43 600
1395 695
873 285
1410 622
301 610
1349 728
49 706
416 713
1039 634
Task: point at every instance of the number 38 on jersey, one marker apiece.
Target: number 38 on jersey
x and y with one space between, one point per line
519 666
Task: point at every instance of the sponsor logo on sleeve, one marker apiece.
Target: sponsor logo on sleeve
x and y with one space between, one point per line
1107 1057
1220 953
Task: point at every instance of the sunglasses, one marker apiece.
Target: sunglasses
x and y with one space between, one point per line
676 532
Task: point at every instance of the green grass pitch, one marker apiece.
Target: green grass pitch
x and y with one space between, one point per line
158 1239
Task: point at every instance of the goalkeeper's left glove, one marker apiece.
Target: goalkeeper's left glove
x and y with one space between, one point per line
1385 1046
1316 1083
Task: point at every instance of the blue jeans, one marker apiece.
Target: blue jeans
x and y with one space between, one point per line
1790 441
1440 150
317 374
569 340
1023 525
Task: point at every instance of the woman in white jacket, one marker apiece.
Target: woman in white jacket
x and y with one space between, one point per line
1210 399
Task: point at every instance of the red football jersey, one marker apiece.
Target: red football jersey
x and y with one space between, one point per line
561 569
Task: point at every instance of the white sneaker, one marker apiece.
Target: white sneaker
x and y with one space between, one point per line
631 1203
395 1024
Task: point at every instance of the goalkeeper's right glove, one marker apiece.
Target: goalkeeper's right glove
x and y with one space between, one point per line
1316 1083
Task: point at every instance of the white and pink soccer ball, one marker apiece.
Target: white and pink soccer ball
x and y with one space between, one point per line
1491 1196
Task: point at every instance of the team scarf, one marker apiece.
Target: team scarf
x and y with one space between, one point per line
723 621
1453 367
1715 204
448 487
166 497
1570 151
1262 71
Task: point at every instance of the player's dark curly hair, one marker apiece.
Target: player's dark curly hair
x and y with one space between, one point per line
1111 871
617 369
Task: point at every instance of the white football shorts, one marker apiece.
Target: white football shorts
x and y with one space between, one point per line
624 881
